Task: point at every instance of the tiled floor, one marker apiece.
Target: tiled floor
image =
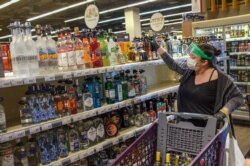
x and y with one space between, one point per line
243 137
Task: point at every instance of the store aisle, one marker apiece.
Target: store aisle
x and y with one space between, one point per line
243 135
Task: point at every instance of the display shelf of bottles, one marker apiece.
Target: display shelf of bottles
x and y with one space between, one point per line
239 53
241 115
237 39
242 83
21 131
17 81
239 67
123 136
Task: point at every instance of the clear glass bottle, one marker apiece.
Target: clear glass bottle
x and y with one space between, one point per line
73 137
62 142
3 127
109 91
146 117
32 151
91 132
124 83
151 112
20 154
139 119
62 51
96 93
52 50
6 154
12 50
42 49
25 112
78 49
104 48
86 51
70 50
84 142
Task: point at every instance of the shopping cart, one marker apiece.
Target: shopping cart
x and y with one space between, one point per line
178 133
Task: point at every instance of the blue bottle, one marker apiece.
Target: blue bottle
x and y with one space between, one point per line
42 141
96 93
52 145
62 142
50 101
118 89
32 102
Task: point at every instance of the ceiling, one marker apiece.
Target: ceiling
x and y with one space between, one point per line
25 9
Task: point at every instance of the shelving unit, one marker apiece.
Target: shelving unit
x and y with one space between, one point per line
240 67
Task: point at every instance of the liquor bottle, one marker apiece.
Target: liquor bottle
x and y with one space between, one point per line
32 151
84 142
96 93
31 50
42 49
73 137
104 48
136 83
20 154
151 112
52 145
100 129
143 81
70 50
131 87
168 160
111 129
25 112
139 119
72 101
87 99
118 89
6 154
78 95
113 51
145 114
3 127
62 51
188 161
86 51
131 54
91 132
42 103
78 47
19 53
125 117
49 93
131 115
158 159
101 86
12 49
62 142
95 51
51 49
177 160
109 91
6 58
124 83
65 97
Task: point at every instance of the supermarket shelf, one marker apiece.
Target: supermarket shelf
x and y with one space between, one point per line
239 53
242 83
237 39
17 81
123 136
241 115
20 131
240 67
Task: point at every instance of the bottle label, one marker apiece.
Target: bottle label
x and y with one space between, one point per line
84 137
88 102
92 134
74 145
131 92
79 57
7 157
52 54
107 93
63 59
2 118
119 88
112 93
100 130
42 55
71 58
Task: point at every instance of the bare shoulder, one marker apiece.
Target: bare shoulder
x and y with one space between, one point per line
215 75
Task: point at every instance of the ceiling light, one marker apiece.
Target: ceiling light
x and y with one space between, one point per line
4 37
178 19
113 9
59 10
167 21
174 23
114 19
8 3
122 31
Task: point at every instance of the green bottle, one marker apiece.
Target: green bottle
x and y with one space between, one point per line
109 91
124 82
104 48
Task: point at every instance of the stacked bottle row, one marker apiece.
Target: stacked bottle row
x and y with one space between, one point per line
240 60
50 145
174 159
6 59
237 31
105 157
240 75
239 46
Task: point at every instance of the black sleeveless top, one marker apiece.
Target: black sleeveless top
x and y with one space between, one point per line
198 98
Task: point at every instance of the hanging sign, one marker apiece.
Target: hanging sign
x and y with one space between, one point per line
157 22
91 16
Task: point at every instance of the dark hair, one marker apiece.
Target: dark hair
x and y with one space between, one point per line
210 51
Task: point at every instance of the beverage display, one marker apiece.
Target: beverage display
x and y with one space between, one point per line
109 91
20 154
158 159
6 154
78 47
32 151
62 51
73 137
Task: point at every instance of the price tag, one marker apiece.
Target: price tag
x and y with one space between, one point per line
50 77
91 151
66 120
122 104
57 124
19 134
115 107
110 69
46 126
30 80
83 155
74 158
107 145
93 71
57 164
66 162
5 83
118 68
99 148
17 82
35 129
78 74
77 118
67 75
101 70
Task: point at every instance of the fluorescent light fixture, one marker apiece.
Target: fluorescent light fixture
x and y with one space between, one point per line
114 9
5 37
109 20
122 31
173 20
8 3
59 10
170 22
174 23
166 9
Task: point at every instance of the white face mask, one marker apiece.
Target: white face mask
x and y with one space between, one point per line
191 63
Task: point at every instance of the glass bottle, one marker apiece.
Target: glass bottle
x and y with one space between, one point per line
62 51
95 51
86 51
143 81
109 91
124 83
131 54
177 160
72 101
158 159
70 50
138 117
31 50
100 129
78 49
6 154
6 58
32 151
84 142
62 142
146 117
91 132
42 49
131 116
3 127
104 48
151 112
52 50
12 49
87 99
73 137
52 145
136 83
131 87
118 89
25 112
20 154
113 51
125 117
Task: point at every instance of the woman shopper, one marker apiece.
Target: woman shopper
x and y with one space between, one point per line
203 87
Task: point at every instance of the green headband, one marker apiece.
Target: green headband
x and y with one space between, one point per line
197 51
